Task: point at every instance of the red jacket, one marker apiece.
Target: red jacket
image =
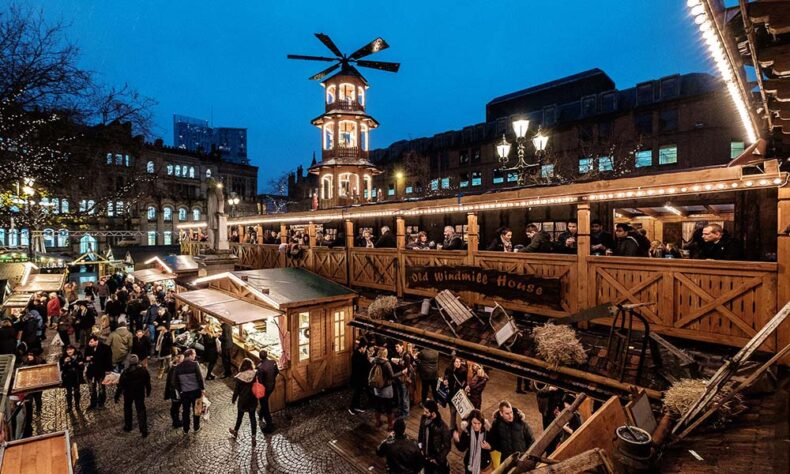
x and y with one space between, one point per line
53 307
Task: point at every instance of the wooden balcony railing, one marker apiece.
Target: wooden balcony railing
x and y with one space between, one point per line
346 105
341 153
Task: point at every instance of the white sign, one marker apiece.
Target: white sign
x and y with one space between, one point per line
461 403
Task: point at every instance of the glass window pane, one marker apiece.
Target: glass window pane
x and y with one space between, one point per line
668 155
304 336
585 165
339 322
151 237
736 148
605 163
644 158
547 171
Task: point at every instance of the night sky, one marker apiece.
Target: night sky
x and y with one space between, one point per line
225 60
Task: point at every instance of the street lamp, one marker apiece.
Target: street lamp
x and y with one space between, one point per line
539 141
233 201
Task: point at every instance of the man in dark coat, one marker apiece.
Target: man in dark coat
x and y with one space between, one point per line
600 240
428 369
627 242
452 241
539 241
267 375
402 453
226 341
98 361
135 385
171 393
509 432
718 245
567 241
188 381
434 439
360 368
387 239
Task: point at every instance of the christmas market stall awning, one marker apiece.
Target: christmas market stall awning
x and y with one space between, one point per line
42 282
225 307
290 287
152 275
17 300
181 263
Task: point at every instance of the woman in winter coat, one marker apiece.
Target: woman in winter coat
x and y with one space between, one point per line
7 337
477 385
455 380
163 349
172 395
472 440
385 395
71 365
64 327
141 347
247 403
210 354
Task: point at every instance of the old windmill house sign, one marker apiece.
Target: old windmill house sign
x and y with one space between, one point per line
488 282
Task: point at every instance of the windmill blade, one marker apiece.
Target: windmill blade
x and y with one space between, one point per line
373 47
323 73
380 65
329 43
310 58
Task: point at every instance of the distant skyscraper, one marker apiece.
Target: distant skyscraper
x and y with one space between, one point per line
195 135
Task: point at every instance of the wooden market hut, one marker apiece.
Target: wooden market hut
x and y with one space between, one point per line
46 282
158 272
299 317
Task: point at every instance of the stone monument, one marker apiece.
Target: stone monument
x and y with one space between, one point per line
218 257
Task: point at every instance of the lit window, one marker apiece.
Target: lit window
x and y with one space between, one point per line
109 158
547 171
13 238
168 237
151 237
375 192
464 181
499 177
339 322
208 173
119 209
445 183
409 190
304 336
195 214
56 205
149 167
475 156
736 148
110 209
178 170
24 238
477 178
391 190
64 205
605 163
644 158
63 238
463 157
151 213
127 161
585 165
668 155
512 177
2 237
434 184
167 214
191 171
119 160
182 214
169 170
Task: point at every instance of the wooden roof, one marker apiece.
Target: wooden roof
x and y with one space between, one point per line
42 282
291 287
45 454
226 307
181 263
17 300
151 275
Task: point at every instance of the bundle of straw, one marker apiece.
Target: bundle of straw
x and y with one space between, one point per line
558 345
382 307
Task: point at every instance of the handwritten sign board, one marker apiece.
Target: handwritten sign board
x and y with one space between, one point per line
461 403
488 282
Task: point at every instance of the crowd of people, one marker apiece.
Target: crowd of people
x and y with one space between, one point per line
108 337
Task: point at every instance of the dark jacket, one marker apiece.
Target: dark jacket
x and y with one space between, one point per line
402 453
141 347
454 243
560 246
71 370
464 443
435 438
170 386
476 387
98 360
135 382
188 377
540 242
114 308
428 364
725 249
210 353
455 378
227 336
386 241
628 247
267 374
508 438
360 368
7 340
496 245
243 391
165 345
602 238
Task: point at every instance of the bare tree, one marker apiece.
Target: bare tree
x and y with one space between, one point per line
122 104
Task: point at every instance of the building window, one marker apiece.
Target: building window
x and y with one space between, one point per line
608 102
550 115
669 88
2 237
339 321
409 189
463 158
151 237
512 177
475 156
547 171
109 158
13 237
182 214
464 180
604 131
644 93
434 184
736 148
167 214
149 167
49 238
445 183
127 161
668 120
87 244
667 155
499 177
178 170
304 336
195 214
605 163
169 169
375 192
208 173
168 237
644 123
151 213
24 238
644 158
64 205
110 209
588 106
118 160
330 95
390 189
191 171
477 178
63 238
585 165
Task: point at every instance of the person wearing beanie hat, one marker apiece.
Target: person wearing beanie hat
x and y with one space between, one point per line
134 385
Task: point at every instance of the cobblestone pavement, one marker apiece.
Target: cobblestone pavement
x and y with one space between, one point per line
300 445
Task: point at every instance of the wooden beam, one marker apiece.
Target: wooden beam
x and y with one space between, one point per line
594 460
596 432
712 210
648 212
783 262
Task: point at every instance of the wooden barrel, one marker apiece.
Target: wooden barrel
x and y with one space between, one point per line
633 450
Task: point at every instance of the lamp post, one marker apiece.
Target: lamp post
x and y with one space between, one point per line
539 141
233 201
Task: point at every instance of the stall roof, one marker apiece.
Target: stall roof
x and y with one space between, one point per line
48 282
17 300
295 286
225 307
151 275
181 263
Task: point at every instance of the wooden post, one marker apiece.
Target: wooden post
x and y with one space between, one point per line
400 232
349 234
473 237
283 234
311 234
241 233
259 234
582 252
783 265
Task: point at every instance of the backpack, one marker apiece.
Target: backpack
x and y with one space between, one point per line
376 377
258 389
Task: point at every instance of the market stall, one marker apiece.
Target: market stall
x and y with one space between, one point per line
280 309
48 283
51 453
160 272
16 303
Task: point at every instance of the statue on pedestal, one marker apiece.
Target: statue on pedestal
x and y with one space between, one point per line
217 227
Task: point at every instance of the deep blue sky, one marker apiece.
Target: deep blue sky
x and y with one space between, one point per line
226 59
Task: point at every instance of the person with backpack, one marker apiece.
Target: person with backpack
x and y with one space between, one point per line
267 371
247 402
380 380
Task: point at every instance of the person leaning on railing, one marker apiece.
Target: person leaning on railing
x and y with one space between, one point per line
503 241
421 242
539 241
718 245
